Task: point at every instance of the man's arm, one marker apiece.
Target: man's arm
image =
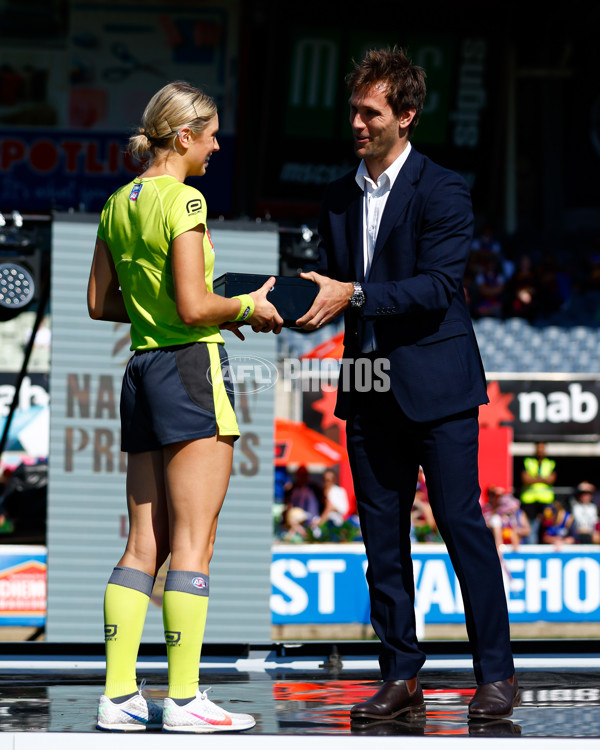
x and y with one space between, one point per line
443 248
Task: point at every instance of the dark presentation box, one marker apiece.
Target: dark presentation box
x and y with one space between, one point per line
291 296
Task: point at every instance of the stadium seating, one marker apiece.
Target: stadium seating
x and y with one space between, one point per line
512 345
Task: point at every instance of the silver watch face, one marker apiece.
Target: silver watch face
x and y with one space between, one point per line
358 296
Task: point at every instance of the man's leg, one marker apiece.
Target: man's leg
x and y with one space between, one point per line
384 471
450 451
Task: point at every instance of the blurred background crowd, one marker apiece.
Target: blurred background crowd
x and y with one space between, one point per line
314 508
518 277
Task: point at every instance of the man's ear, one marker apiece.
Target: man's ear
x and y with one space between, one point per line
406 117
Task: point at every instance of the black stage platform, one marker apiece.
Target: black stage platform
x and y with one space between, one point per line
302 693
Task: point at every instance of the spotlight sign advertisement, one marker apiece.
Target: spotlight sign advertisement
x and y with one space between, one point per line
68 106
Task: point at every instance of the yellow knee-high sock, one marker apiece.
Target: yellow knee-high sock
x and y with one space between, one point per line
125 606
185 605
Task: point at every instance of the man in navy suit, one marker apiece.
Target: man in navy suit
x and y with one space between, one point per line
395 237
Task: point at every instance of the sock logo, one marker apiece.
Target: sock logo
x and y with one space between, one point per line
110 632
199 583
172 637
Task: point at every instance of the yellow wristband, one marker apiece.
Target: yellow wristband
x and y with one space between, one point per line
246 309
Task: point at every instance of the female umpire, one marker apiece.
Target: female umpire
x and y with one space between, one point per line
153 267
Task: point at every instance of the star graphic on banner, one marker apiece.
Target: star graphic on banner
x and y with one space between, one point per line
497 411
325 405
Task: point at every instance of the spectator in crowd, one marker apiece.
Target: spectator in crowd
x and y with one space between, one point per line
337 505
548 286
487 295
486 243
521 292
592 270
585 514
557 525
293 525
282 483
305 494
537 479
505 517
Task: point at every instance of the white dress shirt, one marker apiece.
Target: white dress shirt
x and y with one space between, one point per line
375 195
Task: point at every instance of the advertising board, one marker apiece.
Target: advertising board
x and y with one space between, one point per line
318 584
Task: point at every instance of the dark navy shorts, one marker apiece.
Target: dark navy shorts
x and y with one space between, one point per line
176 393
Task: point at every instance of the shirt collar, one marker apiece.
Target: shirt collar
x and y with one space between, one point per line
363 178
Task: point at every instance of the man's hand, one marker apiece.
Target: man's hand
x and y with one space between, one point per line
333 298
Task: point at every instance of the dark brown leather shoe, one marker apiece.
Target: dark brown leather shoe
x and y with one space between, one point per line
495 700
394 698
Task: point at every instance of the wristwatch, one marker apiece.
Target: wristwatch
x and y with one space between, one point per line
358 299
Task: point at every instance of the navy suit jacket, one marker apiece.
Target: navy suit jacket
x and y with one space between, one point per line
414 290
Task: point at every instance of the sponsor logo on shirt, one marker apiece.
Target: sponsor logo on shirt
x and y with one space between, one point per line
135 191
194 206
212 247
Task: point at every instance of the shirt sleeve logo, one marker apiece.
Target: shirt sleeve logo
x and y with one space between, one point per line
193 206
135 191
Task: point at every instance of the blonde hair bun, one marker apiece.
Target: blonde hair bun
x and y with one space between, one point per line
172 107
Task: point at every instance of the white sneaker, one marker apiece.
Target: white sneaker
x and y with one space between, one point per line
202 716
134 715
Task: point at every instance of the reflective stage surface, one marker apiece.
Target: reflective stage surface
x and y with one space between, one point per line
561 699
554 705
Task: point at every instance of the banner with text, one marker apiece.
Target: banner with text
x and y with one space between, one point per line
23 585
319 584
556 407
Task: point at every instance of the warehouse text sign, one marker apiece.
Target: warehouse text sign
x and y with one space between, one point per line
314 584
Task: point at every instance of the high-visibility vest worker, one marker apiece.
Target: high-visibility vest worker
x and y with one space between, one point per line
538 492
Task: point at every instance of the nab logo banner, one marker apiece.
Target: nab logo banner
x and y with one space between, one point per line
544 409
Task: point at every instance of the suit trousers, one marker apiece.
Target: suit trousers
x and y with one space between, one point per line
385 450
